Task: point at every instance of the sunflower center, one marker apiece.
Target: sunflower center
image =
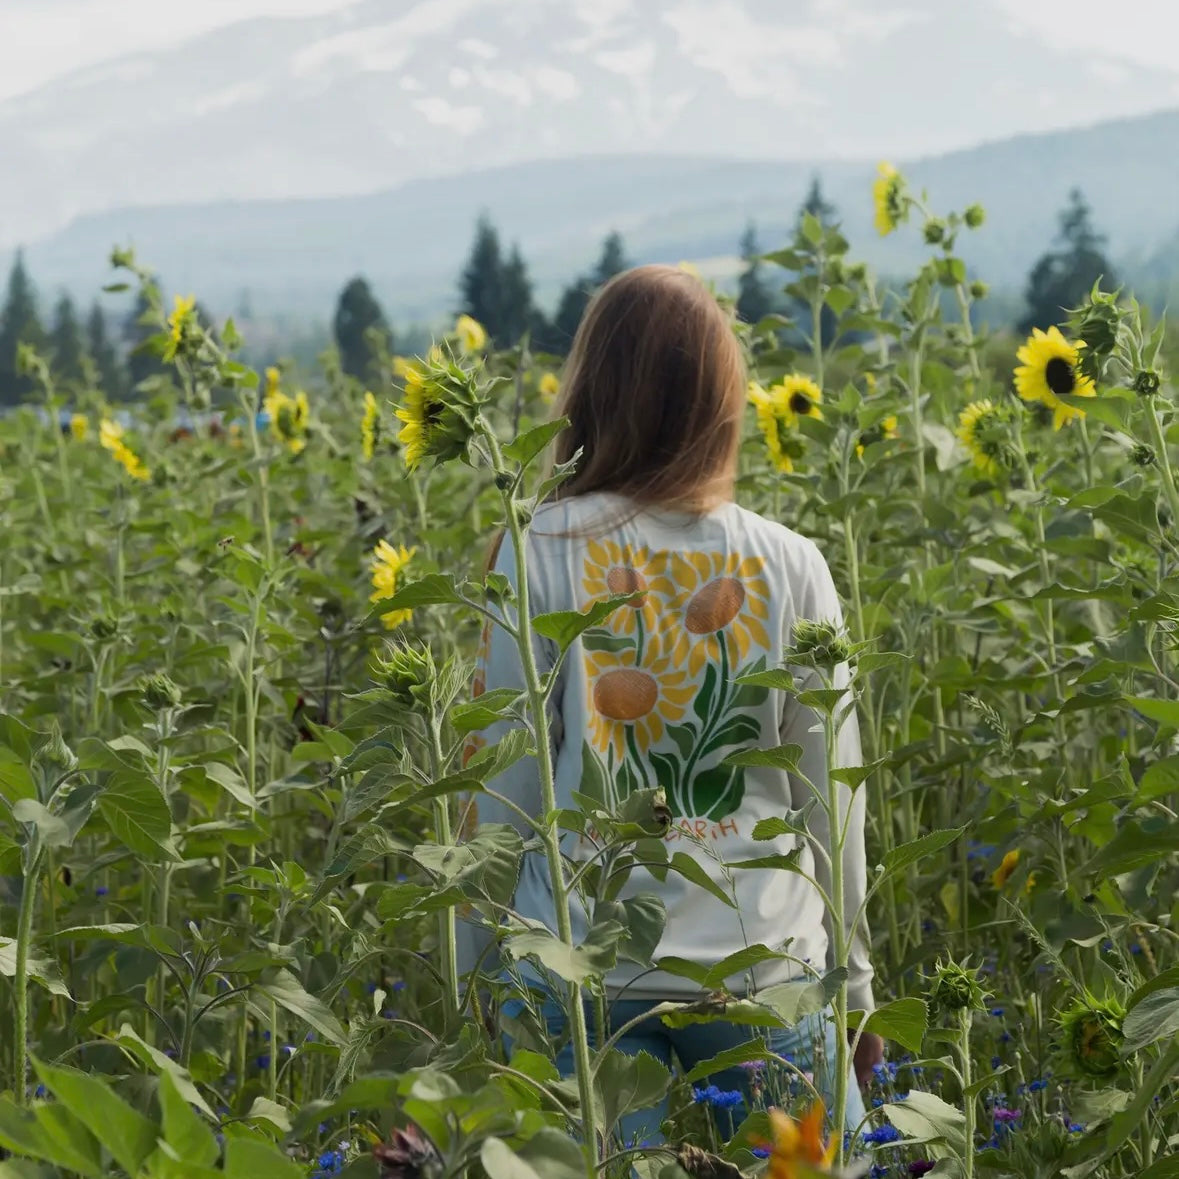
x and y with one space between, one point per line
624 580
715 606
625 694
800 403
1059 376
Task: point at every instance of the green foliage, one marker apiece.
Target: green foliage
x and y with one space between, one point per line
362 335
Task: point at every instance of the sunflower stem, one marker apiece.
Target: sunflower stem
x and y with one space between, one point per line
1164 461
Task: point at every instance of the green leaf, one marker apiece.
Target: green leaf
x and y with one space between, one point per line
563 626
230 781
625 1083
1166 712
1154 1018
1159 780
591 959
265 1110
902 856
787 862
824 700
493 706
184 1131
435 589
793 823
1168 978
138 815
793 1001
606 640
525 447
53 830
27 1169
51 1134
643 918
126 1133
163 1065
780 678
781 757
691 869
1136 844
287 992
250 1158
856 776
493 760
42 970
903 1021
926 1118
730 1058
548 1154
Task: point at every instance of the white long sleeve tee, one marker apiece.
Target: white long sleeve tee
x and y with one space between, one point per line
650 698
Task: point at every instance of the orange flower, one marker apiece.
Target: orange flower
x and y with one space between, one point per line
799 1150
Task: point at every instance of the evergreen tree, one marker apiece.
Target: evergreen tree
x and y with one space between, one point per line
817 205
1062 278
361 332
108 368
67 348
755 300
142 363
18 325
481 292
515 310
575 298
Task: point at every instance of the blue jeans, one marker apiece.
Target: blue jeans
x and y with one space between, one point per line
698 1042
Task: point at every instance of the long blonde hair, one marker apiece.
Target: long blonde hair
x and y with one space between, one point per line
654 389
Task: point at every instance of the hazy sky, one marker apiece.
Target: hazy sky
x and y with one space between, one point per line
42 39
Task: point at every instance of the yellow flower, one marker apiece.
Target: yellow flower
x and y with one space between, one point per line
110 436
471 333
109 433
183 310
887 195
549 386
401 366
799 1150
441 402
388 563
778 411
620 569
722 599
289 417
975 423
1005 870
887 428
370 427
635 696
1049 375
79 426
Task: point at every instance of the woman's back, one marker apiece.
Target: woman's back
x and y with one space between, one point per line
651 698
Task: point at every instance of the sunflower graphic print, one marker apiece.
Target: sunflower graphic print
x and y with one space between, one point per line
662 674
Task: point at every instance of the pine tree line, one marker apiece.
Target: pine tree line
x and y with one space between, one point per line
495 289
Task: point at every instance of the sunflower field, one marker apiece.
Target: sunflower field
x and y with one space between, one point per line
239 736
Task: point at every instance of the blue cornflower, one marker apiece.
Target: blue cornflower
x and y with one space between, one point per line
761 1152
998 1011
266 1035
882 1135
399 985
371 987
101 891
718 1098
879 1172
996 1061
1037 1085
1076 1128
263 1061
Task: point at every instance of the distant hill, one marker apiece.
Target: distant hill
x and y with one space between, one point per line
293 255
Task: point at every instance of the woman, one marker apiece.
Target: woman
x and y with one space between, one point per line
655 390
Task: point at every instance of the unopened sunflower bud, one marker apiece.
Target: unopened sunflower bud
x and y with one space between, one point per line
818 644
857 272
956 988
1093 1034
979 289
504 480
1147 382
974 216
104 628
1142 455
159 692
935 231
408 1154
407 673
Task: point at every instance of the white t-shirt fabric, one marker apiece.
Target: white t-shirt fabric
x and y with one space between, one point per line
649 698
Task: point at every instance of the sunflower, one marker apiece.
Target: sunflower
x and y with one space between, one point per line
183 314
1049 375
886 428
720 593
620 569
976 431
888 192
471 333
110 437
549 386
798 1143
634 698
778 411
79 426
370 427
289 416
388 563
1006 869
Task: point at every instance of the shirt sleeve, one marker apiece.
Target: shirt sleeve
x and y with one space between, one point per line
819 602
499 666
